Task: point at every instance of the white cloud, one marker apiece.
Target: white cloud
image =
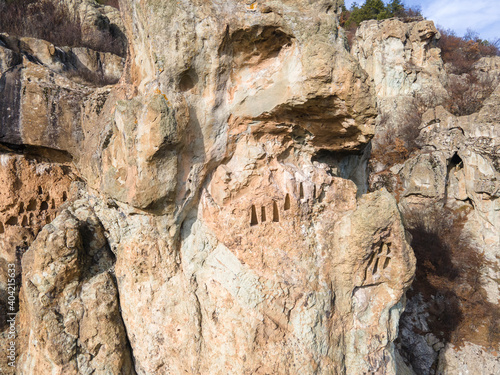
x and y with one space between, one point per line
482 16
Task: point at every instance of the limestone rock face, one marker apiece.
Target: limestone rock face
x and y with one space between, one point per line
402 58
406 67
46 93
26 207
141 157
469 359
224 182
489 68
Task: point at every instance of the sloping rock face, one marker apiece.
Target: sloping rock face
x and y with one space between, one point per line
224 226
455 169
458 169
33 189
70 300
402 58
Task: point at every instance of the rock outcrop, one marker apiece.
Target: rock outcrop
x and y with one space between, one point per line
70 303
453 170
405 64
33 190
227 171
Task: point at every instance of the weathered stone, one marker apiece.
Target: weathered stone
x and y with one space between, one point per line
48 109
80 64
456 165
405 65
71 304
402 58
471 359
140 159
32 191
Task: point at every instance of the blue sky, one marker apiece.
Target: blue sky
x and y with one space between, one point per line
482 16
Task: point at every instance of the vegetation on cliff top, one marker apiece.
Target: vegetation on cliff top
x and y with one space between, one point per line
375 10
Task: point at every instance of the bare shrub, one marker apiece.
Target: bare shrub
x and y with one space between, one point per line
462 52
104 42
467 93
448 276
410 13
399 142
40 19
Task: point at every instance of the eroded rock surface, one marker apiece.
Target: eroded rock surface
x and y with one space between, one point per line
405 64
454 169
70 301
33 189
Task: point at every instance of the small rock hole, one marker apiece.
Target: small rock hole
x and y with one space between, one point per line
287 202
386 262
276 215
31 205
301 191
253 220
24 223
64 196
456 161
188 80
375 267
2 230
12 221
44 206
52 204
21 207
40 191
262 214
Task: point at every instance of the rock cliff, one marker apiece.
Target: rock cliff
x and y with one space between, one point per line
203 206
445 174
